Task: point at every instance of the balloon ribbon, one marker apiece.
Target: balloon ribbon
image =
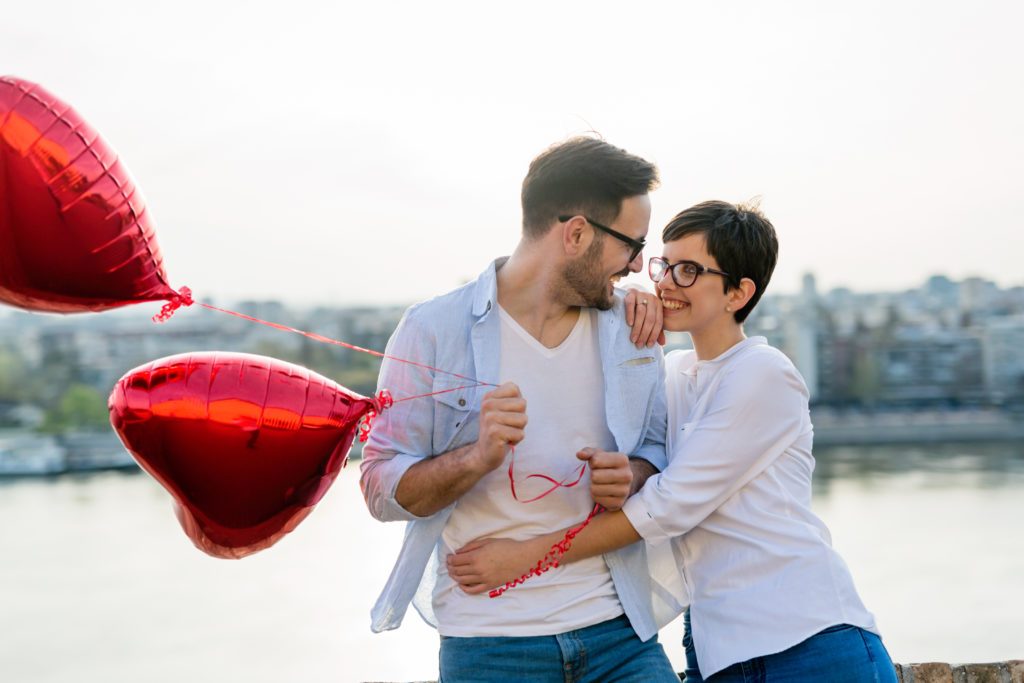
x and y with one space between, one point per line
384 400
552 559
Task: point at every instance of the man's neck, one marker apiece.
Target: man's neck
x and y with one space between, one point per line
527 287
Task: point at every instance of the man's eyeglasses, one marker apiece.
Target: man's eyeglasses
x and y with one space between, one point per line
684 273
636 245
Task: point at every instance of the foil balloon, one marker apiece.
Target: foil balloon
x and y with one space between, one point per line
75 234
246 445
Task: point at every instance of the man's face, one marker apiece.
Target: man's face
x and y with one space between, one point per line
590 278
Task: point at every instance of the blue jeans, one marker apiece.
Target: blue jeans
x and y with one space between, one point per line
839 654
609 651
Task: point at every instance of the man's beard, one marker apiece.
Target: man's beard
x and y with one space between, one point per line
583 282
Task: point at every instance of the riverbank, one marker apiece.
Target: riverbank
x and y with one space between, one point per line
28 453
834 427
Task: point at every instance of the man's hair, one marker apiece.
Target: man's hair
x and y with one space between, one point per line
582 175
740 238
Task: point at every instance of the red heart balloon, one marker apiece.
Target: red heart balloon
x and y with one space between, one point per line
245 444
75 234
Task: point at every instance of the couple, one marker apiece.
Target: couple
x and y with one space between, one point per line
723 442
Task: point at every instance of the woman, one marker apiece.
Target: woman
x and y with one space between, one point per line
770 598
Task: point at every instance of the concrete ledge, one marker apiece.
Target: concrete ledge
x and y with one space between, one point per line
1011 671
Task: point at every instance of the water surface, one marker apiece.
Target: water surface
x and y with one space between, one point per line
98 583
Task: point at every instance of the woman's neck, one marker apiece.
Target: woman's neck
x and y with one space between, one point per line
711 344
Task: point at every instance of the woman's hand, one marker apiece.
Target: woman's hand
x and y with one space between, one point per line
645 315
488 563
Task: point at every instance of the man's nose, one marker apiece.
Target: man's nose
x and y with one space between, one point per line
637 264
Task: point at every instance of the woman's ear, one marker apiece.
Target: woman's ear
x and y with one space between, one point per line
739 296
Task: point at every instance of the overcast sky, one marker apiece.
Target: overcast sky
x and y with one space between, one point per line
373 152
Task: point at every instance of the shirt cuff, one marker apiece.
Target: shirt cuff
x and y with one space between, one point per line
643 521
397 467
653 454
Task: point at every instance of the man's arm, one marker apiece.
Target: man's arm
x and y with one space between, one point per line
614 477
401 477
433 484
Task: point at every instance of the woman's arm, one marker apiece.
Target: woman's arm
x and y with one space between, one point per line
758 412
491 562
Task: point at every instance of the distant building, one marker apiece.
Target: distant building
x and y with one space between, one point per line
1004 358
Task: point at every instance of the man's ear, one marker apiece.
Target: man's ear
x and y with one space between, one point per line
575 236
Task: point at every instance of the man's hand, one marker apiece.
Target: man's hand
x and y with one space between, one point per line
646 316
434 483
502 424
611 477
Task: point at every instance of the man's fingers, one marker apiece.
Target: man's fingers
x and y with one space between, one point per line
611 477
498 404
603 459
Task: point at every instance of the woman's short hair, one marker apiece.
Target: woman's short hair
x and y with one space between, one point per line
740 238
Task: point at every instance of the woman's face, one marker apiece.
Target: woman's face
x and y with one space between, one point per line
702 305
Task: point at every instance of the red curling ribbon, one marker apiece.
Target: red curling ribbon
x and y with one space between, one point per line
183 297
553 557
555 484
384 399
382 402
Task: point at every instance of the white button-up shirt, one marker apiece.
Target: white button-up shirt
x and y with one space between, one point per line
736 500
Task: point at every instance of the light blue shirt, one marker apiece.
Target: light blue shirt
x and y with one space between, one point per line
459 333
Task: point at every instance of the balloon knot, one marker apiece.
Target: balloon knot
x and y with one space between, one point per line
381 402
183 297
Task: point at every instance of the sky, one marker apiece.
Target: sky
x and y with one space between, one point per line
351 153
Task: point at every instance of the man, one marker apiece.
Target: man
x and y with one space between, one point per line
461 462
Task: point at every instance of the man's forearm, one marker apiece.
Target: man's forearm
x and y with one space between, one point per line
642 471
435 483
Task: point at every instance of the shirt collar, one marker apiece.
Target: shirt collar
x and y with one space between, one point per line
485 297
724 356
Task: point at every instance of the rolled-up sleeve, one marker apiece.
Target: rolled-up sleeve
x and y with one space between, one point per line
401 435
758 410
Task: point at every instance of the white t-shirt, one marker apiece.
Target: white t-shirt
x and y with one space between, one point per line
564 392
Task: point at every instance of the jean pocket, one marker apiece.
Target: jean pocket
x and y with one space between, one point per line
837 629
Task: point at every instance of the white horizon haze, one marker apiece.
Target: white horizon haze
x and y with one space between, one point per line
353 153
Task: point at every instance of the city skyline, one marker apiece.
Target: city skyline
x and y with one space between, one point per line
356 153
146 309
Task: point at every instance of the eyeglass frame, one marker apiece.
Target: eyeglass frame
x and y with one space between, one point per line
670 268
636 245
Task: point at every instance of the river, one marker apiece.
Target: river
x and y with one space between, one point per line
98 583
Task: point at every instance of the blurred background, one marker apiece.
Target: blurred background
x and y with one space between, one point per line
325 165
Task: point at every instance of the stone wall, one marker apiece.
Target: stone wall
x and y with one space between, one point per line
1011 671
936 672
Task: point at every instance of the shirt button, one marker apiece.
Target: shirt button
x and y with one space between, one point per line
462 402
